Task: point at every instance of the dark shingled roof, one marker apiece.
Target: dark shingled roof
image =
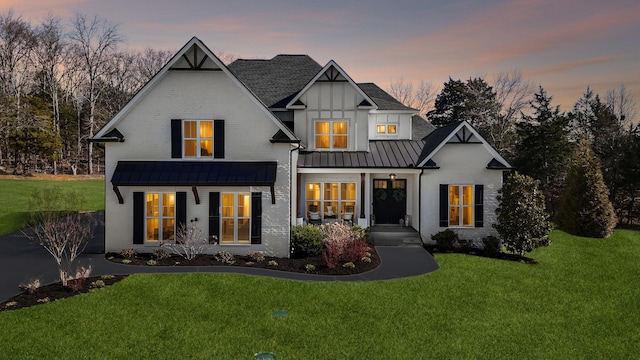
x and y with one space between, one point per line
435 138
192 173
382 98
420 127
278 80
382 154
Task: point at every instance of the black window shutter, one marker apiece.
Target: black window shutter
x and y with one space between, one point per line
218 139
444 205
176 139
214 215
138 217
181 210
479 206
256 217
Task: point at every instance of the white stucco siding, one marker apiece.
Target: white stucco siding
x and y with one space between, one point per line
248 129
460 164
333 101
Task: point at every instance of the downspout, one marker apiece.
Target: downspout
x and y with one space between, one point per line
420 205
291 189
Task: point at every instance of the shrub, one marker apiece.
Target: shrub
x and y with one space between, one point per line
128 253
160 254
349 265
310 267
75 283
272 263
306 241
523 222
30 287
342 244
585 208
256 256
98 284
152 262
445 239
225 257
491 245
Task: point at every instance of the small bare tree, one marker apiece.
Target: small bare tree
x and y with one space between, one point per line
190 241
59 227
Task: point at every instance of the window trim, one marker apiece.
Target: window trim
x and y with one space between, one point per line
461 206
331 134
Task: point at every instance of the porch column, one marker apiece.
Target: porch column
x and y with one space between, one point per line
362 192
298 187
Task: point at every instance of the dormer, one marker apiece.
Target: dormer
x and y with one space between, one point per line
331 112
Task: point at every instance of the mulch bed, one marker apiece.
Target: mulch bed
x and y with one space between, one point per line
56 291
283 264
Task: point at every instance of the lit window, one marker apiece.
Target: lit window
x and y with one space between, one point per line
381 129
460 205
160 217
392 129
198 138
331 134
331 201
236 218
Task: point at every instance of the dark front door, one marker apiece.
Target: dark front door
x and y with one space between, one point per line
389 200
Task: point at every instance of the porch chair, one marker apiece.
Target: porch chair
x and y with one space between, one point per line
314 215
348 214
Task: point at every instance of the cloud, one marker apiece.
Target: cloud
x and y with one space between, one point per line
571 65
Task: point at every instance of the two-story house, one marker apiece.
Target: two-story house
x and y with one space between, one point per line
249 149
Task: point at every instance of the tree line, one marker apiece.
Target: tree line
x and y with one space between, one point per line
545 143
59 83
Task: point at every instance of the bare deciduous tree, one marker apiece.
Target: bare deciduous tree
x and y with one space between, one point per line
59 227
421 98
623 104
95 41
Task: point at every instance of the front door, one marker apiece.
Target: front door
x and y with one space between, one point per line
389 200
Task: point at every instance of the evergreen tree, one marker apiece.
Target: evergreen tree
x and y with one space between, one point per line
584 208
543 148
523 222
449 104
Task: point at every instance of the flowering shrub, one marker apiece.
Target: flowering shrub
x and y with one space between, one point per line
342 244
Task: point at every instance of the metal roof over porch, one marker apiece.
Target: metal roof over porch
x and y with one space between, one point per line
381 154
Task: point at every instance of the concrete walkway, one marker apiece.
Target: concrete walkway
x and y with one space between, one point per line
22 262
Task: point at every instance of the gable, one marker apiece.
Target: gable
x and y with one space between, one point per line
192 58
458 133
332 73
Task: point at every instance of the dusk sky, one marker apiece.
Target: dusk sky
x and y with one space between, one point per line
563 45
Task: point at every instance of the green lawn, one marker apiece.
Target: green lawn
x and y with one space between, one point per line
13 208
582 301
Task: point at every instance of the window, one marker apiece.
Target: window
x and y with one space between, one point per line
391 129
198 138
236 218
160 217
331 134
461 205
331 201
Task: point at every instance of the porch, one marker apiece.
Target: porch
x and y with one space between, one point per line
394 235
